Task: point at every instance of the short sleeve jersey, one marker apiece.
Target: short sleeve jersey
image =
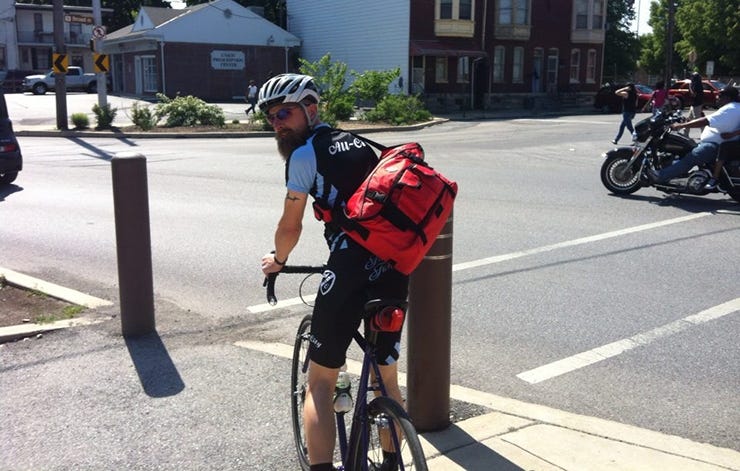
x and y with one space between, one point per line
330 166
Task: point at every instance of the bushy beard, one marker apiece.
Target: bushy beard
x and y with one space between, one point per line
289 140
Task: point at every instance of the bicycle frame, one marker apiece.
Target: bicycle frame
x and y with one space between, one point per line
369 362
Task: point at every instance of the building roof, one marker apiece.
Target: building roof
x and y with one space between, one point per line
217 22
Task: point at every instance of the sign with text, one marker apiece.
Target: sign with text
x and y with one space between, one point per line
85 20
227 60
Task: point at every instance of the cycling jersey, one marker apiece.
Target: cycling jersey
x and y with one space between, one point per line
329 167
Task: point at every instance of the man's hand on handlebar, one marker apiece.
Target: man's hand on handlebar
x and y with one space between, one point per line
269 265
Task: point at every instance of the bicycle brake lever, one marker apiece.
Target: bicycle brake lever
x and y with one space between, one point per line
269 283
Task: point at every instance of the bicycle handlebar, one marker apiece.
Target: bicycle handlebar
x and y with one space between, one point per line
269 282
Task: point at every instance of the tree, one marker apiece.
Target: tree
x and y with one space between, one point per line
653 54
275 10
621 47
710 29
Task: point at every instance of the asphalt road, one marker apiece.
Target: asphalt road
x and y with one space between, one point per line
547 265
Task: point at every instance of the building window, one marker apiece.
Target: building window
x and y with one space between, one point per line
591 66
575 65
513 12
2 57
38 22
589 14
598 16
466 10
463 70
440 70
445 9
517 65
552 70
499 62
455 9
149 73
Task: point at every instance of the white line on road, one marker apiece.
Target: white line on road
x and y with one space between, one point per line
583 359
574 242
513 255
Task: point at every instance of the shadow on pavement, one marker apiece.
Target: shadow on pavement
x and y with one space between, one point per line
158 375
8 190
471 454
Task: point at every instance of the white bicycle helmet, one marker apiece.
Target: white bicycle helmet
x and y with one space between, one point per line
287 88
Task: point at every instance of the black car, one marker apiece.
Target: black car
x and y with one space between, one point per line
11 161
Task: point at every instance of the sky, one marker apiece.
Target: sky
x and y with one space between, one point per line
642 15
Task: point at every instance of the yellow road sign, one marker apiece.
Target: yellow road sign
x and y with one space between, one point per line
60 63
101 62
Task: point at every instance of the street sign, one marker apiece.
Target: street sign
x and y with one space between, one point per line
101 63
60 63
98 32
85 20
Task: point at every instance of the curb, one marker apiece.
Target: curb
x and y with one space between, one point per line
200 135
20 280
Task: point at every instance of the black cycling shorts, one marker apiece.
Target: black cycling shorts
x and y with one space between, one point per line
352 277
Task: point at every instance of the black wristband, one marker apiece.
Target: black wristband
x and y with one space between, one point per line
278 261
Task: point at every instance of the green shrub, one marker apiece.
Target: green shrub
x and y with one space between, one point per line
398 110
80 120
104 116
336 102
188 111
143 117
372 85
259 121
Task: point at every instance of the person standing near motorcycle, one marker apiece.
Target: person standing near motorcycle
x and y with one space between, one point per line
725 119
629 108
697 100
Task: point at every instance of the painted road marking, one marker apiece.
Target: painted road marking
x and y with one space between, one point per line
583 359
513 255
572 243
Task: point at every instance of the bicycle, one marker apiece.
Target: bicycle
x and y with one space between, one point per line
378 422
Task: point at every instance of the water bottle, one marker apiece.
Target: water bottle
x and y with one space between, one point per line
342 396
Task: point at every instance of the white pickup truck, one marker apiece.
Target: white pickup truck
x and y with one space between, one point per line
76 80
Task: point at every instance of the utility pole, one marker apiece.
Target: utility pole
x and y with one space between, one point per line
60 90
101 77
669 43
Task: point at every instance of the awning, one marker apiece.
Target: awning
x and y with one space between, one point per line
423 47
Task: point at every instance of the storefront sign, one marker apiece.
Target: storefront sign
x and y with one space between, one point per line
227 60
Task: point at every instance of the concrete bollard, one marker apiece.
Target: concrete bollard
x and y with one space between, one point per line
429 334
133 243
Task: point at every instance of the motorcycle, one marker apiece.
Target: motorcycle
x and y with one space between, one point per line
657 146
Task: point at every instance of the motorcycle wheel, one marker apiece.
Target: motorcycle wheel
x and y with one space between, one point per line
735 194
618 177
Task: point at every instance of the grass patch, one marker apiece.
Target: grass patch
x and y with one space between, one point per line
68 312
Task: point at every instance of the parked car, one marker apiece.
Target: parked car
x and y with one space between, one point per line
607 101
681 90
76 79
11 161
12 82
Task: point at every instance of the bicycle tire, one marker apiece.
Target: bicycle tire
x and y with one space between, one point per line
384 412
298 385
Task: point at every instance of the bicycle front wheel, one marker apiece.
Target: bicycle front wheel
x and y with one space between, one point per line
386 418
298 385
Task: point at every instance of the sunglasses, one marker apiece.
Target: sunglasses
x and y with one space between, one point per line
281 115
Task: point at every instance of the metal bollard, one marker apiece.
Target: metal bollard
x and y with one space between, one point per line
429 333
133 243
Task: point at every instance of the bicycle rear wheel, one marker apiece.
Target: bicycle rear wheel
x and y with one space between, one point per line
385 416
298 385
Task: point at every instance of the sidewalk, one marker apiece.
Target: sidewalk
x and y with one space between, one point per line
194 398
46 126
